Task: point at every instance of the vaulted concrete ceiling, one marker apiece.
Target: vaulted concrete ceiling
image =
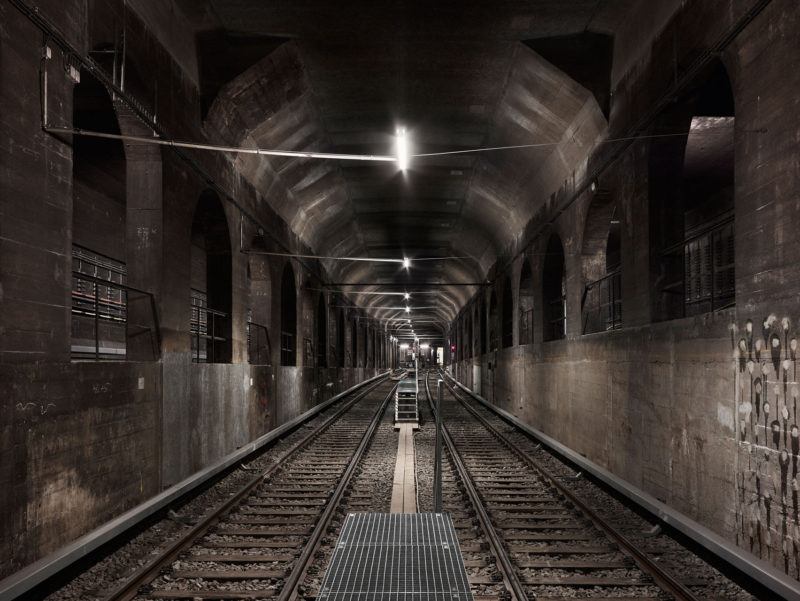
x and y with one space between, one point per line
341 76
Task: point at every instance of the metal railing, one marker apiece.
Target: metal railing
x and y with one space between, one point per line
557 324
601 304
102 324
288 355
702 268
204 326
259 348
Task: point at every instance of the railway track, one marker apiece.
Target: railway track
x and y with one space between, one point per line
260 541
518 512
544 535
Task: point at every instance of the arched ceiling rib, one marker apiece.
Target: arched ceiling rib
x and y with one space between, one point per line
457 77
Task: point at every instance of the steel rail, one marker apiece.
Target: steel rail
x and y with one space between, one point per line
289 592
506 567
147 573
662 578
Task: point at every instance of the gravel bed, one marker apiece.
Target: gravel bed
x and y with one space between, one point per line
453 496
373 477
636 528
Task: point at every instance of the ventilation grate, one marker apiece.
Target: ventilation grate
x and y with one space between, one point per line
396 556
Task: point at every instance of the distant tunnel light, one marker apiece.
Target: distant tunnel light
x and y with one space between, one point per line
408 309
404 346
406 262
424 345
406 296
402 149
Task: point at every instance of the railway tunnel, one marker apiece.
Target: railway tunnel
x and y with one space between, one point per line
222 218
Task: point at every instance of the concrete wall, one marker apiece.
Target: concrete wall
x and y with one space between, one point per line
700 412
81 442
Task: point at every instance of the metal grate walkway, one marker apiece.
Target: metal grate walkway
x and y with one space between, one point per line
396 557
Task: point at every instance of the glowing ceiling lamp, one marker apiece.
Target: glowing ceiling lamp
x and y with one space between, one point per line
402 149
406 262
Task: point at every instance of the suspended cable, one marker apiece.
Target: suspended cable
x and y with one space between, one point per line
218 147
76 131
404 261
709 131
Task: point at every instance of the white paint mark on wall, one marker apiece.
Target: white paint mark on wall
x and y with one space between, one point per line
141 383
725 416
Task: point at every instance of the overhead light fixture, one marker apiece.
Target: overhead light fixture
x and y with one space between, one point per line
402 149
406 262
406 296
408 309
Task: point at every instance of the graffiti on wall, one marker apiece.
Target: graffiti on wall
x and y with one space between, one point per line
766 390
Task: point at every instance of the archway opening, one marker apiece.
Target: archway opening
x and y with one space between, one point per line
99 299
353 343
482 321
691 179
526 303
288 317
322 332
211 274
493 325
554 291
508 313
601 302
259 347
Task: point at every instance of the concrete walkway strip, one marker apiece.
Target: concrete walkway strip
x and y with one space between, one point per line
404 498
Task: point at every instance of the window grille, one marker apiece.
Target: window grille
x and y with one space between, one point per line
709 270
99 306
204 327
287 348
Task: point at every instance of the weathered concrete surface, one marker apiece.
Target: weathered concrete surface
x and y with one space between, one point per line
79 445
700 412
665 405
206 413
82 442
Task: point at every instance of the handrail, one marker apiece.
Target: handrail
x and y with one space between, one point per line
122 286
604 306
267 347
210 311
711 226
610 274
97 280
198 333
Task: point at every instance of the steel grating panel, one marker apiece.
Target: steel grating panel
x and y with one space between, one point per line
396 557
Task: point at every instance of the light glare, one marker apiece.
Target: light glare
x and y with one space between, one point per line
406 262
402 149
